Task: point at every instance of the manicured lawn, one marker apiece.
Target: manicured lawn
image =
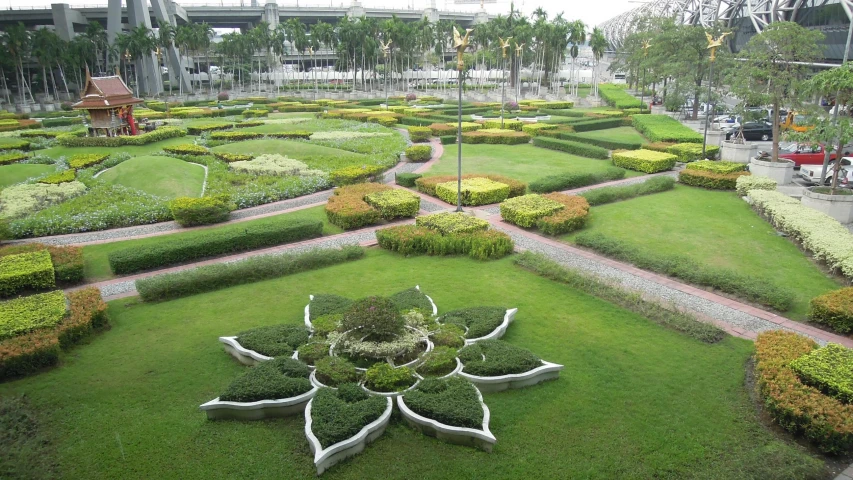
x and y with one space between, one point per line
134 150
316 156
97 266
634 401
292 115
522 162
621 134
158 175
714 228
276 127
11 174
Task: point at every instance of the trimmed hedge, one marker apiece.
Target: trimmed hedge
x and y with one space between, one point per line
575 148
412 239
617 97
274 340
799 408
419 153
427 184
830 369
10 158
596 124
453 401
834 309
627 299
214 277
535 129
14 144
394 203
338 415
714 181
567 181
452 222
600 196
474 191
210 244
272 380
496 137
525 210
162 133
729 281
646 161
355 174
690 152
745 183
191 211
347 208
87 312
186 149
607 144
480 321
442 129
67 260
419 134
717 167
84 160
572 217
407 179
26 271
507 124
25 314
232 157
209 127
662 128
234 136
64 176
491 358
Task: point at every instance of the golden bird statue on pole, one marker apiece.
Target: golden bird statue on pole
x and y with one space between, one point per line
714 43
460 43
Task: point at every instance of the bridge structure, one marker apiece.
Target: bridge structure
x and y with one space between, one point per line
67 21
744 18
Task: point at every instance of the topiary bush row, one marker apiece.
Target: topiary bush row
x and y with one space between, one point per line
600 196
710 180
67 260
356 206
608 144
161 133
428 185
567 181
419 153
646 161
575 148
26 271
192 211
451 239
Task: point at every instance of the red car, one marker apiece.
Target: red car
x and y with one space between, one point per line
803 154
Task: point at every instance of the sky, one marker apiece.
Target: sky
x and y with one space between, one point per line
591 12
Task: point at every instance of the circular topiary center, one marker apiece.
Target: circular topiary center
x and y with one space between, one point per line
377 316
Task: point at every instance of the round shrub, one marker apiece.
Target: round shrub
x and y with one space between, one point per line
411 97
334 371
382 377
189 211
274 340
374 315
222 96
419 153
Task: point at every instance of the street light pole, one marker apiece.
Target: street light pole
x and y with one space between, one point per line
712 46
386 50
504 46
460 43
646 46
519 52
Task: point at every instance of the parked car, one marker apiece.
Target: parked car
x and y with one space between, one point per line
803 154
811 173
751 131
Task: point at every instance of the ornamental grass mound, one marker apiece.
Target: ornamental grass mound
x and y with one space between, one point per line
474 191
800 408
453 401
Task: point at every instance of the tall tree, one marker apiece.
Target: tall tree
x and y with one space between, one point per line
598 44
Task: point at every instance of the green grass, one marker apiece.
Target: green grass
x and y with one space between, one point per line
714 228
97 267
292 115
18 172
635 400
522 162
620 134
316 156
134 150
158 175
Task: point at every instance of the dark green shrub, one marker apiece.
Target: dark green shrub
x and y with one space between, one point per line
411 298
373 315
407 179
271 380
382 377
274 340
326 324
575 148
567 181
211 243
254 269
310 353
448 139
449 335
61 122
417 122
596 124
411 239
600 196
334 371
326 304
711 180
480 321
608 144
452 401
439 361
501 358
337 416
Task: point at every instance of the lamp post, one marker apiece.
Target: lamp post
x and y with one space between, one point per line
504 46
646 46
519 52
460 43
386 51
713 43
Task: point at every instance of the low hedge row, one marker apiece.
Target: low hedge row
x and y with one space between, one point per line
662 314
596 124
690 152
472 191
617 97
161 133
254 269
64 176
567 181
745 183
355 174
828 369
600 196
235 136
598 142
575 148
507 124
419 134
15 144
192 211
84 160
717 167
26 271
210 244
67 260
428 185
10 158
662 128
646 161
553 213
714 181
31 352
413 239
750 288
799 408
496 137
186 149
209 127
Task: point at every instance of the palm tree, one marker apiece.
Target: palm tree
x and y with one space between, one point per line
140 44
97 38
16 40
203 34
577 35
46 47
185 41
166 40
598 44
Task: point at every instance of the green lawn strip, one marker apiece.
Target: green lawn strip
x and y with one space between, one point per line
714 228
97 268
126 405
18 172
521 162
620 134
158 175
134 150
316 156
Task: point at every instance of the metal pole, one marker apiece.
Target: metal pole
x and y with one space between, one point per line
459 146
710 105
837 106
642 88
503 92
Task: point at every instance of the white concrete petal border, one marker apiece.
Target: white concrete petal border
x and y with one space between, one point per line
242 354
547 371
221 410
498 332
326 457
482 439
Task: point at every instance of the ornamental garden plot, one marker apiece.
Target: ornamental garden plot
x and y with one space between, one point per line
360 357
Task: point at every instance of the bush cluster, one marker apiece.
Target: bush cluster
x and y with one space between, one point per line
24 199
575 148
715 181
64 176
479 321
507 124
572 217
209 127
407 179
191 211
274 340
271 380
350 208
186 149
355 174
646 161
84 160
662 128
834 309
211 243
799 408
162 133
829 370
335 371
567 181
729 281
232 157
214 277
600 196
491 358
534 129
419 134
496 137
26 271
67 260
419 153
373 315
452 222
442 129
474 191
452 401
427 184
525 210
439 361
235 136
382 377
327 304
394 203
24 314
274 165
412 239
14 144
10 158
310 353
745 183
339 415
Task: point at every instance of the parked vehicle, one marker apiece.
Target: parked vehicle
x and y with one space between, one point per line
751 131
811 173
803 154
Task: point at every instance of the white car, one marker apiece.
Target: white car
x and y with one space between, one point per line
811 173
